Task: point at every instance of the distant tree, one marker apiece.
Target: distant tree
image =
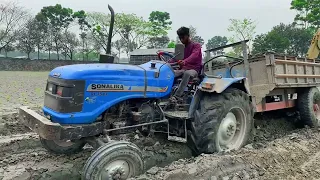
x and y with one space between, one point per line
99 28
241 29
260 44
118 45
159 25
87 45
48 41
198 39
192 31
57 18
12 18
171 44
82 18
27 38
134 30
8 48
89 41
308 12
41 32
69 44
217 41
158 42
283 38
177 40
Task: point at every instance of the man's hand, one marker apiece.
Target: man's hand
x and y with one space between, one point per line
181 62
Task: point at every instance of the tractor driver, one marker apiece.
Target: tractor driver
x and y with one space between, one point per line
191 64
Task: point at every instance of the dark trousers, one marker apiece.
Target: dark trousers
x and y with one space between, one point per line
187 74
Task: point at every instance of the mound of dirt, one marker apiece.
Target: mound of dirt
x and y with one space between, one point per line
295 156
23 155
10 125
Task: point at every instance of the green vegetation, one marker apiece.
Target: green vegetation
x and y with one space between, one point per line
50 33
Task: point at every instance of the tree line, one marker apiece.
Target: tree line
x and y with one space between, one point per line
62 33
67 33
293 38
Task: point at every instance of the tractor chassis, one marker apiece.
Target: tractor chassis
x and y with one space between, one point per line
49 130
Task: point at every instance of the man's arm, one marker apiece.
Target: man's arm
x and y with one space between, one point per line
194 55
172 61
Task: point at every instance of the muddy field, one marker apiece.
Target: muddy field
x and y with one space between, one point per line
279 150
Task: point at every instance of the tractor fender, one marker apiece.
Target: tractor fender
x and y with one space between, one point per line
218 85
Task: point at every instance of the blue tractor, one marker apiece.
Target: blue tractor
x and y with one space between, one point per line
88 103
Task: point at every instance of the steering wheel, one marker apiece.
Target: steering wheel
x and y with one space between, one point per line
162 54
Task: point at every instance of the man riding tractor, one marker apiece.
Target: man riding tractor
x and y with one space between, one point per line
190 66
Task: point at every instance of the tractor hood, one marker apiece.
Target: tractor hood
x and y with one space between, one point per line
96 71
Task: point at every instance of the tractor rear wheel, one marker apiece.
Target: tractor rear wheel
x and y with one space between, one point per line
63 147
222 122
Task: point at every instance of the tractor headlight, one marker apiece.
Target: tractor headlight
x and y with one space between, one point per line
49 87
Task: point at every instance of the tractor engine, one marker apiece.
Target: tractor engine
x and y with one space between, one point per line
128 113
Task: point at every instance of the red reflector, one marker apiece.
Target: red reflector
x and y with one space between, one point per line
59 91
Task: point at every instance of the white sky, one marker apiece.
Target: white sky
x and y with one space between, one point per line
210 17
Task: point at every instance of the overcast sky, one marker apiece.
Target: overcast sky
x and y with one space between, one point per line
210 17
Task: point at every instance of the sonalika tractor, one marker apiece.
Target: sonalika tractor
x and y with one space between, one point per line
87 103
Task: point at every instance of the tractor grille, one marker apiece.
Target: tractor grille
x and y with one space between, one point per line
64 96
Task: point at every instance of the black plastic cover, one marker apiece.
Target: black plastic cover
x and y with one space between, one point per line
72 95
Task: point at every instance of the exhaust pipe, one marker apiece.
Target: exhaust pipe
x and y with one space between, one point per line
108 58
110 30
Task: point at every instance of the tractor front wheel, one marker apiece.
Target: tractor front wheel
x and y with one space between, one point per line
115 160
222 122
63 147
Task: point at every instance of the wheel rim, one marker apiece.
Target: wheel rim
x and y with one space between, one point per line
231 131
66 143
119 169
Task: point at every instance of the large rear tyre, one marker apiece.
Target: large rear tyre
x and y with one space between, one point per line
116 160
308 107
222 122
63 147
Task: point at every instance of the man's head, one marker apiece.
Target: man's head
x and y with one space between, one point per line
184 35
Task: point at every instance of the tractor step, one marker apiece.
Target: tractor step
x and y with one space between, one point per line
183 115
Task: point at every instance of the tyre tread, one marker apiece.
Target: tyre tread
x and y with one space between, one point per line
209 115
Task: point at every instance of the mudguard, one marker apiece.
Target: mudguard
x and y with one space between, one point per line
215 85
218 85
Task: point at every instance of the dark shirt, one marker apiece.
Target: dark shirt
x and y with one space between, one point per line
192 57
